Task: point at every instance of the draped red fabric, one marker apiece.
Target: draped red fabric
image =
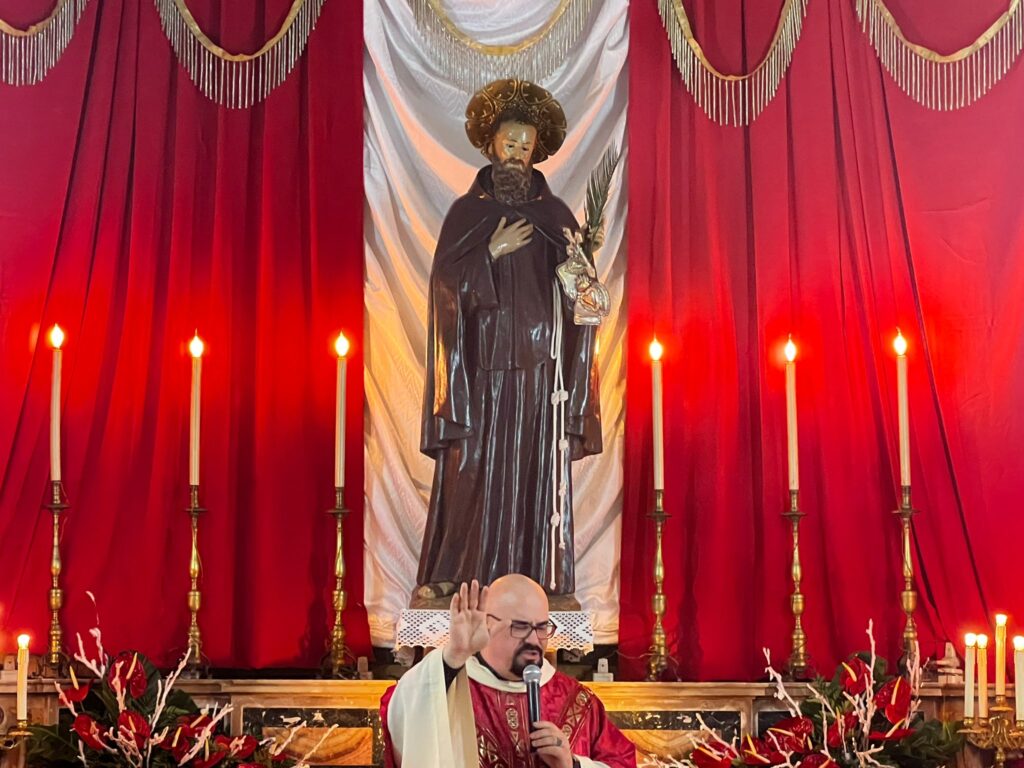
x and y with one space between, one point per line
133 211
845 211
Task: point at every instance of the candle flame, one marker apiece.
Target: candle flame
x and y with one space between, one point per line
970 639
23 641
56 336
196 346
1018 643
983 641
341 345
899 343
656 349
1000 619
790 350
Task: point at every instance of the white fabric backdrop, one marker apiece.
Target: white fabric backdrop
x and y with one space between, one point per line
417 161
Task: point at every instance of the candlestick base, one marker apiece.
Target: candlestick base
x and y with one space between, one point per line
337 663
55 660
16 736
999 731
658 661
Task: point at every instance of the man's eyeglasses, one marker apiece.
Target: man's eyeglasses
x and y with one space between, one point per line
521 630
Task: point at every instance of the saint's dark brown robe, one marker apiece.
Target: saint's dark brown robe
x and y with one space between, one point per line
487 411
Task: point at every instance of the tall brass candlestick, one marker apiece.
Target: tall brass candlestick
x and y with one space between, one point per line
194 668
55 661
659 649
339 651
797 665
908 597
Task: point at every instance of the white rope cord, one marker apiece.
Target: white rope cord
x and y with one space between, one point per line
559 443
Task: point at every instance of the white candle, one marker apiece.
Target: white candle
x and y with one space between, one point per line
1018 675
22 697
56 339
791 431
982 676
970 639
341 346
195 348
658 416
900 345
1000 654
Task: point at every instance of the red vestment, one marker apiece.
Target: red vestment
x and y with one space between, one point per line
502 726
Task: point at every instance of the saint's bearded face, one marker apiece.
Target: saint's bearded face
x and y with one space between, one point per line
511 154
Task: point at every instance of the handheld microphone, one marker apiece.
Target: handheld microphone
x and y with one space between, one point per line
531 676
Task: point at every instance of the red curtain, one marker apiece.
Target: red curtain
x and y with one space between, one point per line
134 211
845 211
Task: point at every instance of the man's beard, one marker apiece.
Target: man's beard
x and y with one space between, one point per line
518 664
512 180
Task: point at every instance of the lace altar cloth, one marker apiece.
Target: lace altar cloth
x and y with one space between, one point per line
429 629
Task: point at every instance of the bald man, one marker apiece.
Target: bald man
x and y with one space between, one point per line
466 706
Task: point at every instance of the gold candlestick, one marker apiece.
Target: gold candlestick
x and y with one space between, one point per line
195 667
908 597
14 738
339 652
659 650
55 661
797 664
998 731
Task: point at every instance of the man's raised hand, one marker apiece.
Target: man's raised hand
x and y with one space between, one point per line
505 240
468 632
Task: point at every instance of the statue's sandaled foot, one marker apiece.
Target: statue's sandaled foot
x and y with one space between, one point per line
436 595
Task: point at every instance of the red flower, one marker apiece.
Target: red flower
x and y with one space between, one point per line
817 760
134 726
178 741
833 736
89 732
790 734
710 756
240 747
129 674
893 699
761 752
193 725
74 695
853 676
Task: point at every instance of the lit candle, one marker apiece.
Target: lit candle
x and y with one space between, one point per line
982 676
341 347
970 640
656 351
1000 654
794 461
900 345
195 348
56 339
22 698
1018 675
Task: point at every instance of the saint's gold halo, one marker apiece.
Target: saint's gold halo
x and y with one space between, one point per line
545 114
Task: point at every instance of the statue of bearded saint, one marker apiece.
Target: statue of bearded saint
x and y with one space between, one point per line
511 391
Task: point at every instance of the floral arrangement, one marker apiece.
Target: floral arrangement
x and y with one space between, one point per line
130 716
860 718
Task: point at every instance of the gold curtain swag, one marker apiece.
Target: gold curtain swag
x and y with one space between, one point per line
238 80
944 81
734 100
27 55
471 64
